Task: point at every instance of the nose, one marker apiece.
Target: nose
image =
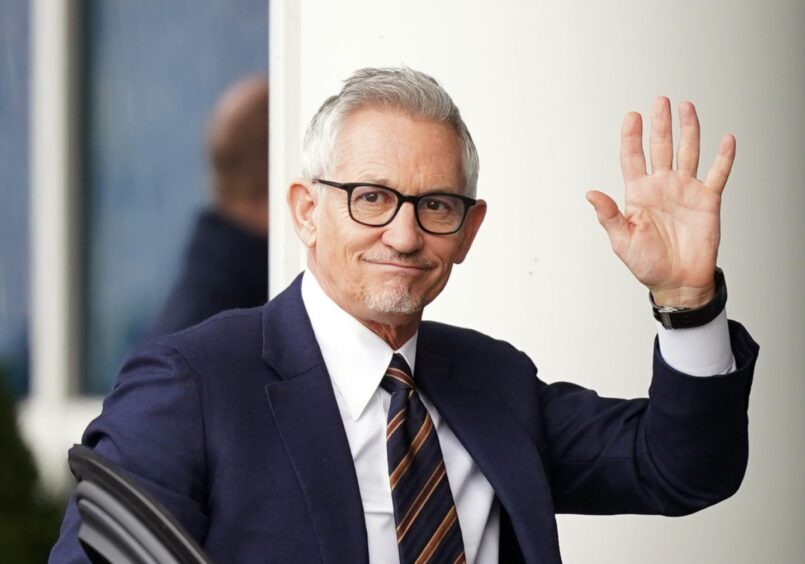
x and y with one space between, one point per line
403 233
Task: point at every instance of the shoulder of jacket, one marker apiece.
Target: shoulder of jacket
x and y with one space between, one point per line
225 339
442 338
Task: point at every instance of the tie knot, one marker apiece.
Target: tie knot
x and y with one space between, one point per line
398 376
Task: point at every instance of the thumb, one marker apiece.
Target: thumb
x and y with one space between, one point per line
609 216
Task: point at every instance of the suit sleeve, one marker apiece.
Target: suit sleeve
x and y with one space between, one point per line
152 426
682 449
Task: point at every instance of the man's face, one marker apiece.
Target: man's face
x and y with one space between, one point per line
388 274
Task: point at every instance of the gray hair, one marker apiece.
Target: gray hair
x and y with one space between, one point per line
404 89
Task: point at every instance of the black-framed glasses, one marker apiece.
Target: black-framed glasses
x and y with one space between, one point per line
375 205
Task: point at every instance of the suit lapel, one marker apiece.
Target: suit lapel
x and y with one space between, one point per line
501 448
306 413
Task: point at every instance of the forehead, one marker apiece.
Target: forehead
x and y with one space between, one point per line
389 146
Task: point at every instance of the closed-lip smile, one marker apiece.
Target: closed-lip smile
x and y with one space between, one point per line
403 265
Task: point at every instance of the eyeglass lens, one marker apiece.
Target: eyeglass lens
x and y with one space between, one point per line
439 213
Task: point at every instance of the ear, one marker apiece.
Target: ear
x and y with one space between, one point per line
302 201
475 217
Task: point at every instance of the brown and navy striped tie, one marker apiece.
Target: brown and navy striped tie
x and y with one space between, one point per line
424 511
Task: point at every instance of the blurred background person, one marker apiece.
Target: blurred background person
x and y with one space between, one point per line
226 261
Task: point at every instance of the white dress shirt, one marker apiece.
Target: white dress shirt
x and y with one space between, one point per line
357 359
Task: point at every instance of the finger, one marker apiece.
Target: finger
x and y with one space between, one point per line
687 156
633 161
722 165
661 143
610 217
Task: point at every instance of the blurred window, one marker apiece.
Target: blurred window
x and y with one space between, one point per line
14 194
152 72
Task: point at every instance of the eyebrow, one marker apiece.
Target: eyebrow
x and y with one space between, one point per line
381 181
375 180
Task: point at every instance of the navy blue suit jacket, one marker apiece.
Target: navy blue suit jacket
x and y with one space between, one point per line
234 426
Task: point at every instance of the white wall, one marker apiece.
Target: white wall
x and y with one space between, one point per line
543 87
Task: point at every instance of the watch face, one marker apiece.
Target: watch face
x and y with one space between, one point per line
672 309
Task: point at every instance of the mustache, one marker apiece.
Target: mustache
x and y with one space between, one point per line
410 259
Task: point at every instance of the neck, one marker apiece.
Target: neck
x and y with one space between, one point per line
394 335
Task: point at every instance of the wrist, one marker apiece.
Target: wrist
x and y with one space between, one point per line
684 297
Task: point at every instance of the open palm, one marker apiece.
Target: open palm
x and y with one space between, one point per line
669 230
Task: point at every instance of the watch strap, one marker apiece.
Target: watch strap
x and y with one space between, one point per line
685 318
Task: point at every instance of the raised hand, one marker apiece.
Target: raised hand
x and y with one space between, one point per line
669 231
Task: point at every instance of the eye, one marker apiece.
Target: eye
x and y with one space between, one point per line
374 196
442 205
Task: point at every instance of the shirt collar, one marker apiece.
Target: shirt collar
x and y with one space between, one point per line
356 358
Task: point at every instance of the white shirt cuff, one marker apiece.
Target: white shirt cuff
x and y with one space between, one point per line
698 351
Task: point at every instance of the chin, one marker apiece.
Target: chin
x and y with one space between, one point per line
396 299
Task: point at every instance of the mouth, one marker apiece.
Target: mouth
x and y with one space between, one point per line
401 263
401 266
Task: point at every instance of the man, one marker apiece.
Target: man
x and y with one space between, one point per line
226 264
333 425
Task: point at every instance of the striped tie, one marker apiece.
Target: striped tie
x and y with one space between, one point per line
424 511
